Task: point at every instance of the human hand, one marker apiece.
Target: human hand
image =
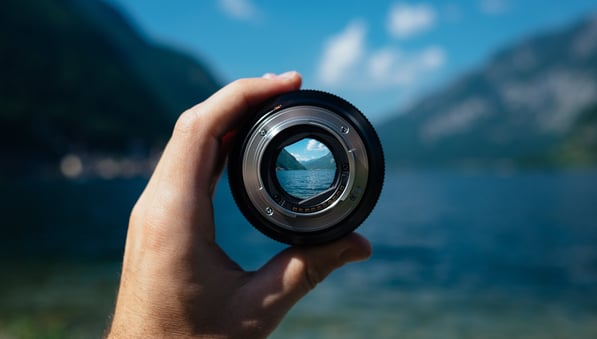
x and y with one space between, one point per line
176 281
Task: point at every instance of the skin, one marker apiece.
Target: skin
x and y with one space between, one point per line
176 281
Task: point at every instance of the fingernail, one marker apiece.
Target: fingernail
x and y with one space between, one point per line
283 76
269 76
287 75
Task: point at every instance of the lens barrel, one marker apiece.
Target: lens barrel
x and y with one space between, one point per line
282 207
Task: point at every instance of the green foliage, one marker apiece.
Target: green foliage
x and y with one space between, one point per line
46 299
580 145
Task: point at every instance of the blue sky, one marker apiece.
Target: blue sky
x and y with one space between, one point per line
380 55
307 149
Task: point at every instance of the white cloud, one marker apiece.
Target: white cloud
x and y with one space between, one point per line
341 52
493 7
240 9
392 68
300 157
389 67
314 145
407 20
349 63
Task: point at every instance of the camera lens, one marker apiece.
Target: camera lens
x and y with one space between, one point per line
307 168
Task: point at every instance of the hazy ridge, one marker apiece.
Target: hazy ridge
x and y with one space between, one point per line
532 105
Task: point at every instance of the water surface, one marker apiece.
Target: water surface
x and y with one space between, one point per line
304 184
455 255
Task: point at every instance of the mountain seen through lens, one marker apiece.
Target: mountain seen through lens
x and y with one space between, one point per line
305 168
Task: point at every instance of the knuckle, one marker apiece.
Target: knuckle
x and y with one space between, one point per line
135 215
240 88
240 84
187 122
313 276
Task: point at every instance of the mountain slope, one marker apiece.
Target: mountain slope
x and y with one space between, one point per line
325 162
174 77
286 161
77 77
516 110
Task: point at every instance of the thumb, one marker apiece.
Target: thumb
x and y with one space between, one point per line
291 274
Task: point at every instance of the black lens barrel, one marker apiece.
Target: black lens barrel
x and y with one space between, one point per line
286 119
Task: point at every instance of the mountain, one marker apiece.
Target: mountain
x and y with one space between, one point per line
325 162
523 108
77 77
286 161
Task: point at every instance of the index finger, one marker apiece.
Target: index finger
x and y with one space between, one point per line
223 111
190 158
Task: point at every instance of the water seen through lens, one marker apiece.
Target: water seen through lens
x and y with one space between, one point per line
305 183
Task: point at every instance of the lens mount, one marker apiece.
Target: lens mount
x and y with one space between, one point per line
330 213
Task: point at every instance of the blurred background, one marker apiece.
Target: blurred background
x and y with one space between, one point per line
487 110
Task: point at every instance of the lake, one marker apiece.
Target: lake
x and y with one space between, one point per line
455 255
304 184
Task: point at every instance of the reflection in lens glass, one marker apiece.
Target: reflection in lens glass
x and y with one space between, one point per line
305 168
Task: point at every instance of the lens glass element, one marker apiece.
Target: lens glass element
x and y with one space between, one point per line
305 168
